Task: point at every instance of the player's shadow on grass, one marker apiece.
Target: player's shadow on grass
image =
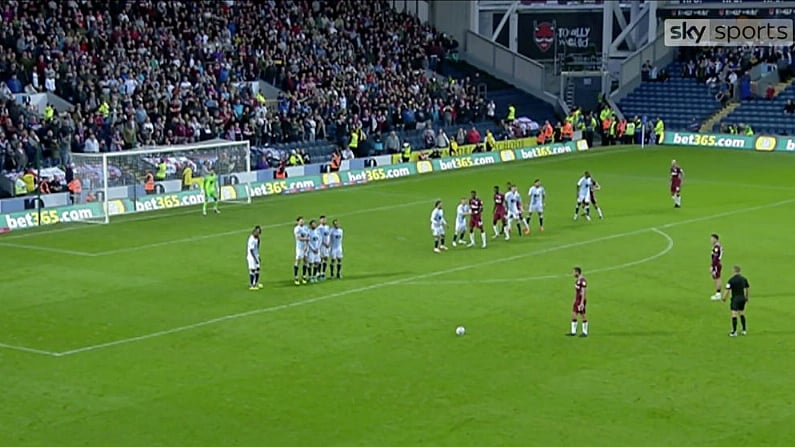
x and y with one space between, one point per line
637 334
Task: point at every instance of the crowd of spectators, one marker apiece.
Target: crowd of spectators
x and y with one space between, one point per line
150 73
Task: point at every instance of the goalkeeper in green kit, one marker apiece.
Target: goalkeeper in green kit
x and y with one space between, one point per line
210 191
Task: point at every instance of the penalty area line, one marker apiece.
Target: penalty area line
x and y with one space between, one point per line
29 350
56 250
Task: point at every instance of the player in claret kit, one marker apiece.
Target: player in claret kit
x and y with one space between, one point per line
476 220
580 301
536 197
677 176
461 213
499 213
715 265
437 227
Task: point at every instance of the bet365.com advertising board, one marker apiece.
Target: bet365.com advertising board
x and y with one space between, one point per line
762 143
94 210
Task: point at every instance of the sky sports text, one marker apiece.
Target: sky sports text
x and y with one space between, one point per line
727 32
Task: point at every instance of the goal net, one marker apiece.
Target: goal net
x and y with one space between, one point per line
120 182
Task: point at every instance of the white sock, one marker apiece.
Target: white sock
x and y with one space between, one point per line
585 327
483 238
526 225
573 327
472 237
674 197
679 200
599 210
507 231
496 233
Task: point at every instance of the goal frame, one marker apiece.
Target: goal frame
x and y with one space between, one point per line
106 160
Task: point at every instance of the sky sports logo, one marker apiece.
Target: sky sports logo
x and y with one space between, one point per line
727 32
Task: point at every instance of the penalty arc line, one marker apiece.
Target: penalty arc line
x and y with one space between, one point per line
376 286
663 252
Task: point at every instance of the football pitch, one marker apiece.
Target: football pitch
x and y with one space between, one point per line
144 333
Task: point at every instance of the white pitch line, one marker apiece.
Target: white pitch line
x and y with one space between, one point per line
593 153
625 265
46 249
380 285
29 350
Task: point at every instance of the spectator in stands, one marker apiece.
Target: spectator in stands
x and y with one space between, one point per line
348 154
491 109
689 69
473 136
645 71
461 136
91 145
336 161
305 158
770 92
262 163
442 141
429 138
392 143
789 107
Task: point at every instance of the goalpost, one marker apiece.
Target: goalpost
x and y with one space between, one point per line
115 181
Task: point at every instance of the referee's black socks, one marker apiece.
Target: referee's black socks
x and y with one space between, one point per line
742 321
734 324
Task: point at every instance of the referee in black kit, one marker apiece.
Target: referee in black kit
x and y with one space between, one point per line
739 289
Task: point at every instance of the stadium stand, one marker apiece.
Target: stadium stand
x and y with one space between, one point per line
768 111
765 115
501 93
678 100
153 73
702 81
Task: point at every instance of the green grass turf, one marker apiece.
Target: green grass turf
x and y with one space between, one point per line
372 360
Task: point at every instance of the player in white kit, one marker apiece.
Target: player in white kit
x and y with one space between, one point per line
252 257
461 213
325 246
301 235
584 185
514 201
336 248
536 198
313 251
437 227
